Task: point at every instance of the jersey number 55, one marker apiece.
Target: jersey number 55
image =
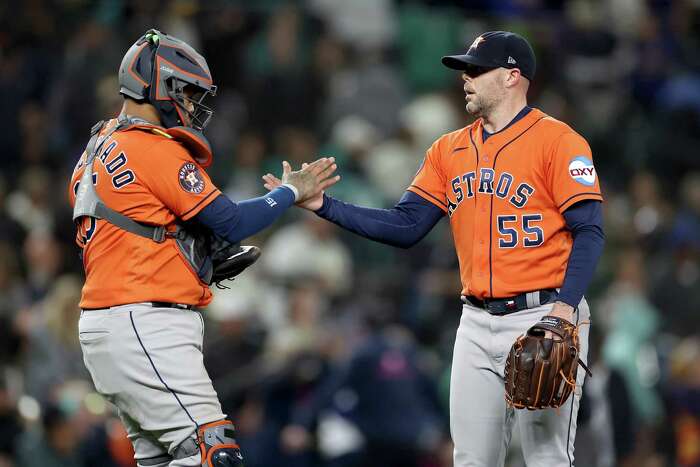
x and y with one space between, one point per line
531 234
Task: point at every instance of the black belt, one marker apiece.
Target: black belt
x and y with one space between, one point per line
504 306
181 306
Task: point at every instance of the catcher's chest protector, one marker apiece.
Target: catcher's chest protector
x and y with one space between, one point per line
193 244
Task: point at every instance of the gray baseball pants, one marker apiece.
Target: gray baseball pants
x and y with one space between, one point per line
148 362
480 420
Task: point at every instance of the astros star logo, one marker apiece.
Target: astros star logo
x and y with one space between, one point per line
476 42
192 178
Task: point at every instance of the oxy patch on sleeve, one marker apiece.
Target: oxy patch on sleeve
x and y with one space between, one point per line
582 171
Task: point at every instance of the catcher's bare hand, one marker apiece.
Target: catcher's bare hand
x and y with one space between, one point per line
311 181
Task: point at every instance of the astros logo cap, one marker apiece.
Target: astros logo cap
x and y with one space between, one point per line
496 49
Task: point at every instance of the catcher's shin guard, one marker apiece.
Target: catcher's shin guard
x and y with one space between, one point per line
216 444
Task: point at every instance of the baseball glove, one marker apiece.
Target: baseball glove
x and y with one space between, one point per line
230 259
541 371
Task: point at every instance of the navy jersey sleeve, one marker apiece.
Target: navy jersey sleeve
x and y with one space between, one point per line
585 221
236 221
402 226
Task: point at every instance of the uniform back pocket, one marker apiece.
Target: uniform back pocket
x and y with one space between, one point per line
93 335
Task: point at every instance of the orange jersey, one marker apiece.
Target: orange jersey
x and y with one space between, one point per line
505 198
153 179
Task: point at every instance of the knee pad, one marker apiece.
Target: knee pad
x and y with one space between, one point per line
216 445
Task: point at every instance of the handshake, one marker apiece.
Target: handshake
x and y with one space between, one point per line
309 183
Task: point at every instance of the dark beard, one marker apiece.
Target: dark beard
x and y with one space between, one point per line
483 107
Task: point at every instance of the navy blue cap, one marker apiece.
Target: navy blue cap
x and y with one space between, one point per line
496 49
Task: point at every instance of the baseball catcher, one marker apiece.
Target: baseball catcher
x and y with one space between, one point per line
154 233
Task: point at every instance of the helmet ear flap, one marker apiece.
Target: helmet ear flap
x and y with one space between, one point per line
171 110
170 114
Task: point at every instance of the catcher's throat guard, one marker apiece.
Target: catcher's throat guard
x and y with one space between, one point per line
541 371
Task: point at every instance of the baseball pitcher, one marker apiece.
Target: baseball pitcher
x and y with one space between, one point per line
523 200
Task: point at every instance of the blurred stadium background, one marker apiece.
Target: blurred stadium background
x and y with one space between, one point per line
334 351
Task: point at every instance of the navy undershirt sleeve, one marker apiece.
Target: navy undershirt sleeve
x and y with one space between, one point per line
585 221
401 226
236 221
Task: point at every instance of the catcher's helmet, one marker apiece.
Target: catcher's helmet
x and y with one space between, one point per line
157 69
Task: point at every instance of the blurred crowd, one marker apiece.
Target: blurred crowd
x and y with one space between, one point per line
333 351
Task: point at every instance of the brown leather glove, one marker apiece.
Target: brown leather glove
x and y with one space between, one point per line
541 371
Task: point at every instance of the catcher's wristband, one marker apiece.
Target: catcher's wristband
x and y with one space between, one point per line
294 190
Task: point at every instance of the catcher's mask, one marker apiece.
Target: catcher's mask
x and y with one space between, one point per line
170 75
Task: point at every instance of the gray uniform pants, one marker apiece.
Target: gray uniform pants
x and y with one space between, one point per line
480 420
148 362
